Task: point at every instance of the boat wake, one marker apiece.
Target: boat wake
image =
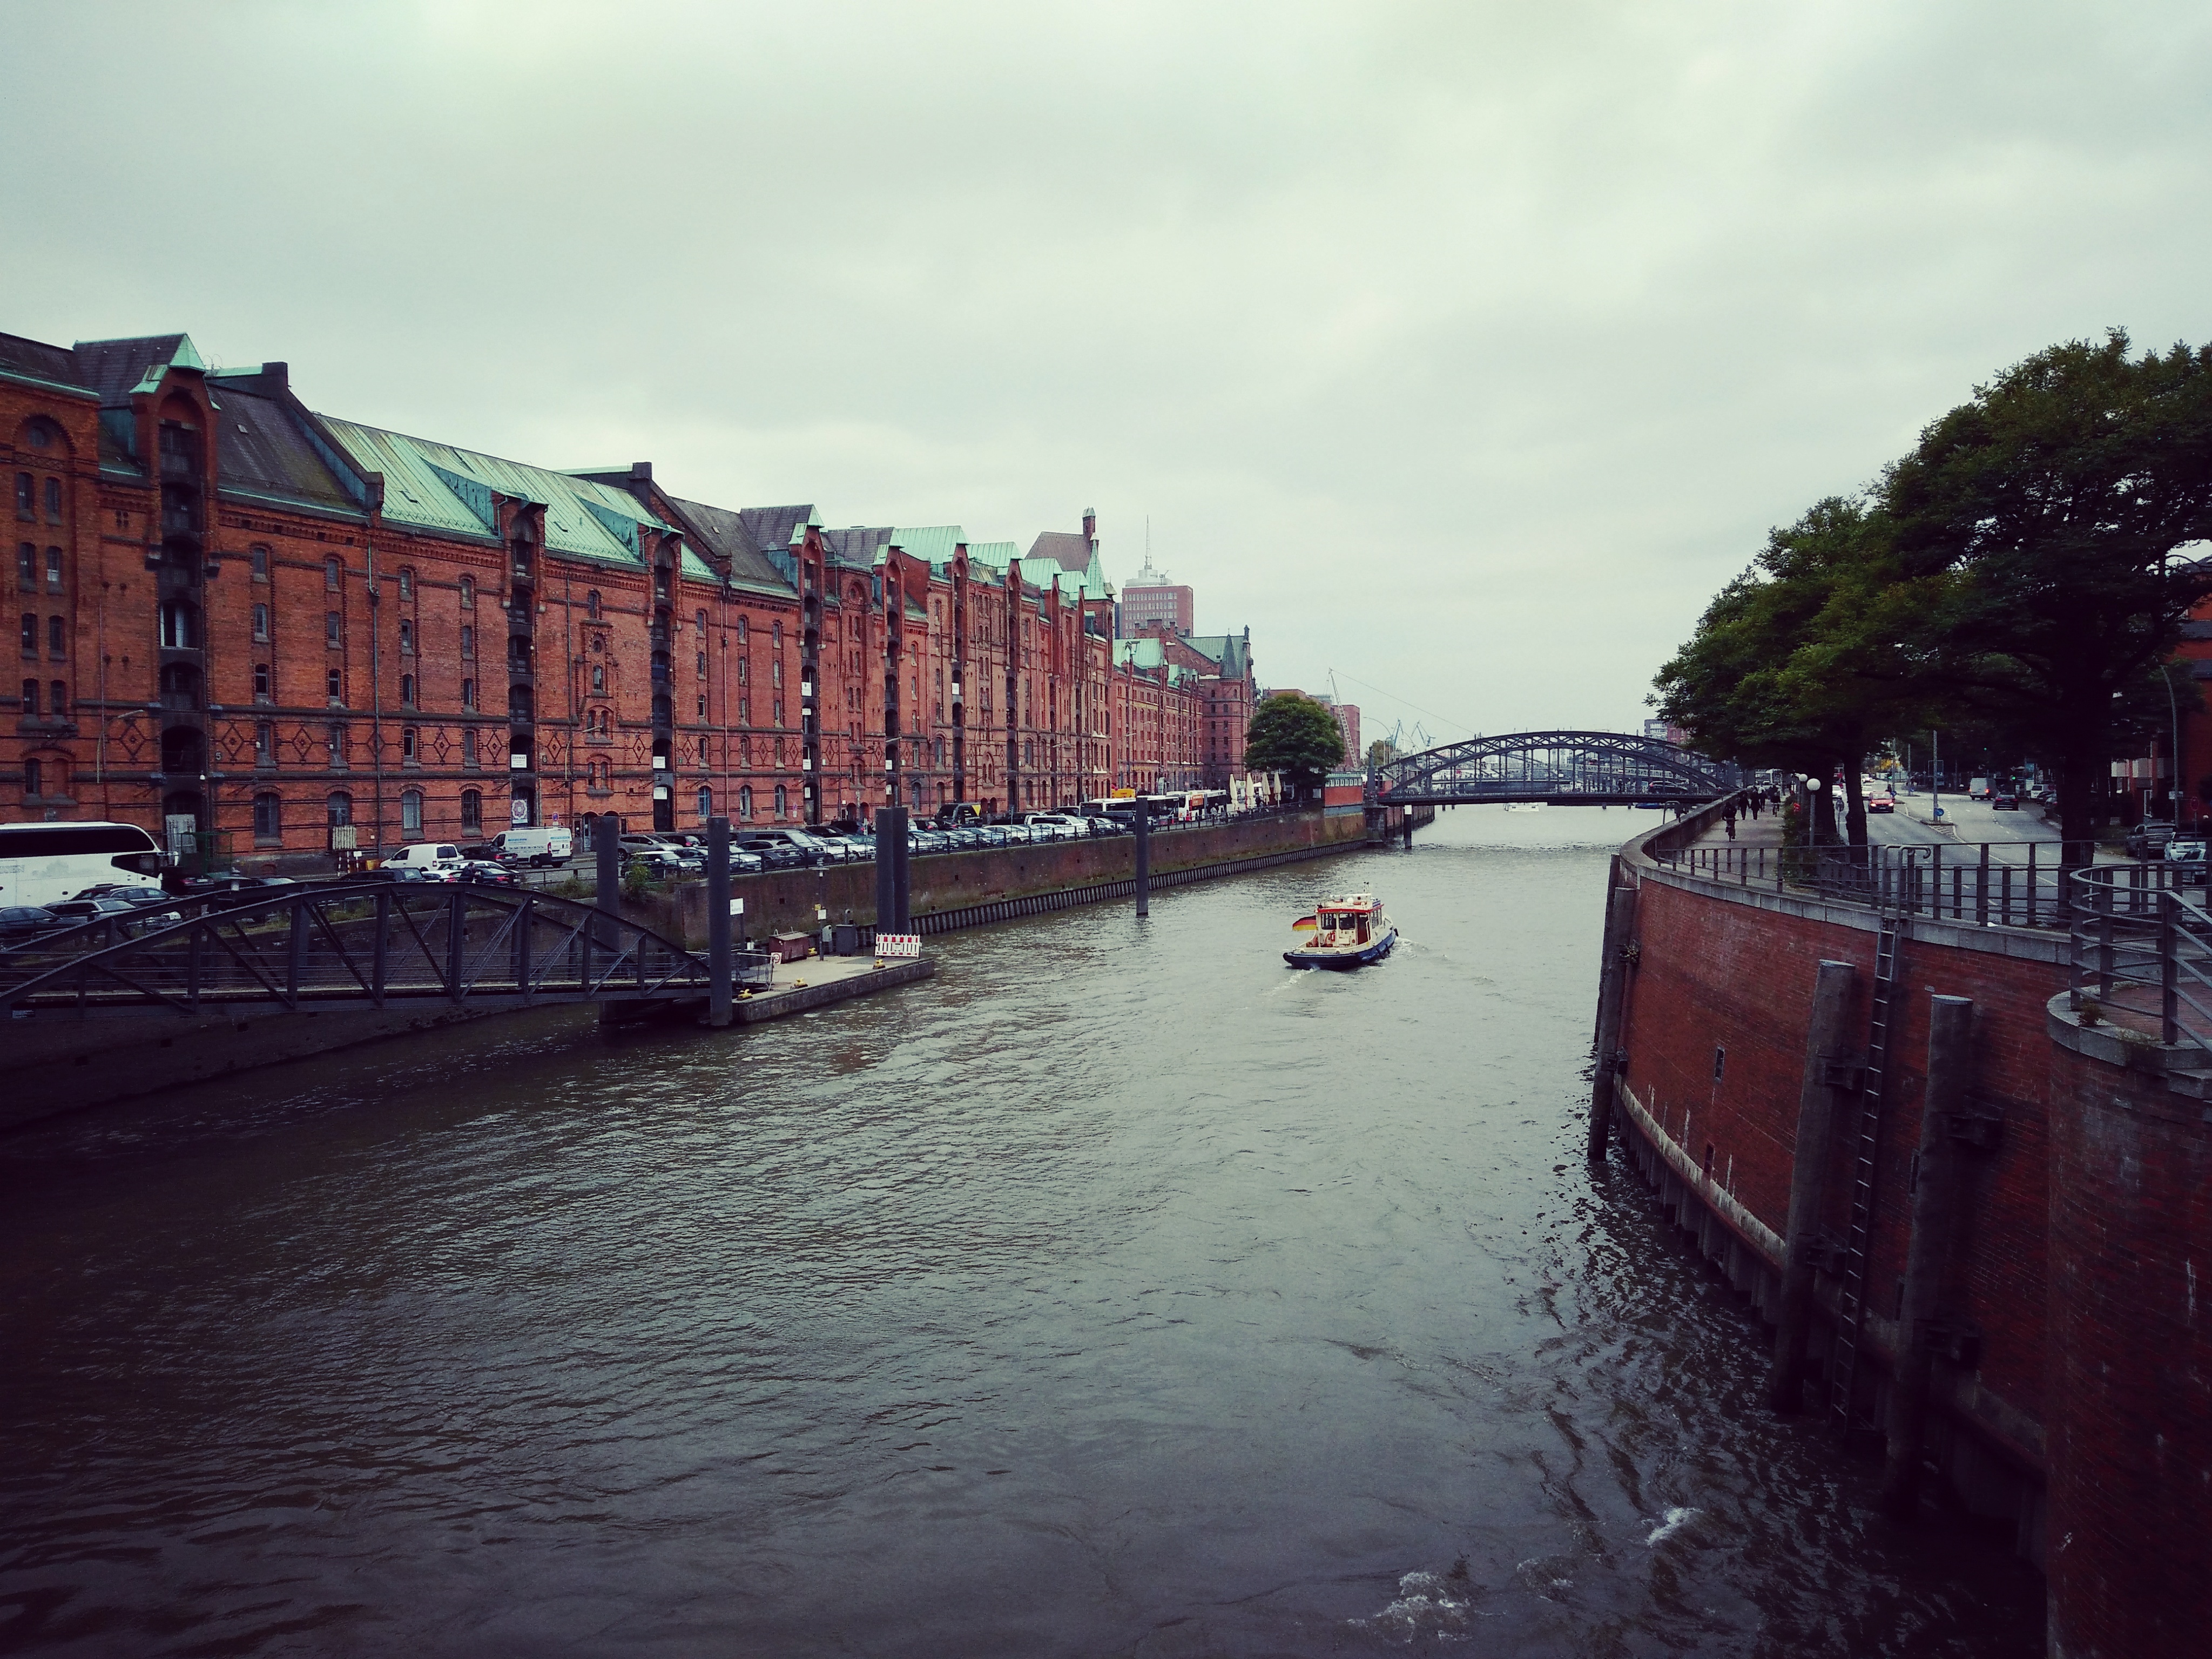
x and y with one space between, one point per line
1677 1519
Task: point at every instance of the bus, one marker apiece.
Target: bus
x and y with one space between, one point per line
41 863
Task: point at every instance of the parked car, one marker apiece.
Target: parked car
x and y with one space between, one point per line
2148 840
743 863
1018 835
76 912
22 923
775 852
406 873
487 872
441 859
2187 854
991 835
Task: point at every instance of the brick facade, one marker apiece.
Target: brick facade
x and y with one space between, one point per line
240 616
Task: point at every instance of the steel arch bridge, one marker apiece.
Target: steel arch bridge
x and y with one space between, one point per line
364 945
1560 769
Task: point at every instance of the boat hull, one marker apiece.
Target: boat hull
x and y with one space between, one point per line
1340 959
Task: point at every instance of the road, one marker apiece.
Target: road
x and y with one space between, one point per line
1975 821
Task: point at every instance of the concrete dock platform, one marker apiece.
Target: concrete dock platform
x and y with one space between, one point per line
820 980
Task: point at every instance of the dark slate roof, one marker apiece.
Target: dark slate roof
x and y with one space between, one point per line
1066 548
260 447
857 546
111 367
741 540
39 361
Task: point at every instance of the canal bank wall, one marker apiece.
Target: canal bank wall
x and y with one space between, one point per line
2034 1339
950 891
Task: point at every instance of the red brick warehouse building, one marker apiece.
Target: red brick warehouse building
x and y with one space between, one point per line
239 617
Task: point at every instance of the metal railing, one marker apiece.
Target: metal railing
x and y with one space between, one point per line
1989 884
2143 950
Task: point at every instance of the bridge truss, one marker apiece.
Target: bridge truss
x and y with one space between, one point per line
1561 768
365 944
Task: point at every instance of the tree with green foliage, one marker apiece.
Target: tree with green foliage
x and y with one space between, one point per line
1381 752
1804 661
1296 736
2045 516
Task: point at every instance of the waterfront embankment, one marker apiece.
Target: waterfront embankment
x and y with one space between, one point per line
1973 1222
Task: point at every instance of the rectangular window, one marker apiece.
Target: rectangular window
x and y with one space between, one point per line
34 778
264 745
261 564
338 747
31 637
268 819
57 638
334 685
30 700
261 681
261 622
27 496
26 567
332 634
58 695
406 639
468 746
468 641
469 695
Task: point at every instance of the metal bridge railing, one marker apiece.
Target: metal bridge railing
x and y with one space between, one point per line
1991 883
372 944
2142 951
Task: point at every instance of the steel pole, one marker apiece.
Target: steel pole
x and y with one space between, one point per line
1144 859
719 961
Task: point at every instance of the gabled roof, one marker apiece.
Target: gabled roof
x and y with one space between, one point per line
859 545
934 543
35 359
260 450
1232 651
744 539
116 369
435 486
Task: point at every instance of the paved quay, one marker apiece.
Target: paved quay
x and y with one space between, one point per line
820 981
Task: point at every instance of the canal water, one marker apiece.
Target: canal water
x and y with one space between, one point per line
1120 1291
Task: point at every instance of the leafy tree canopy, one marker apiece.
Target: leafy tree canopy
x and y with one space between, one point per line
1296 736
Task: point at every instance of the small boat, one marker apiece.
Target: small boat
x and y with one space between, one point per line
1524 806
1349 930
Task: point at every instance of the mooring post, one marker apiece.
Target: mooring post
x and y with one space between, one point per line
1809 1180
606 842
720 961
901 884
886 874
1934 1190
1144 858
1611 992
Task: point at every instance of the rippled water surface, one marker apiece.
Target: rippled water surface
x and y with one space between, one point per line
1120 1291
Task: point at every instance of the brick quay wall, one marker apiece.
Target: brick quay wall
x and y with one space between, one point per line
2070 1390
943 884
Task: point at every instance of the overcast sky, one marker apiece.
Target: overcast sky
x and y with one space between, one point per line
1463 350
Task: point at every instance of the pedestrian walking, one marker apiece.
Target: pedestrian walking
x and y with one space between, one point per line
1729 819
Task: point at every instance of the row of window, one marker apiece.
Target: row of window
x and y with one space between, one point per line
56 633
56 699
27 493
27 565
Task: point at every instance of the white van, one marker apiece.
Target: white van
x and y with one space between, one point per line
538 847
433 858
1978 789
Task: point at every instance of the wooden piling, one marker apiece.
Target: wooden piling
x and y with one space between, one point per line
720 959
1809 1181
1612 986
1935 1210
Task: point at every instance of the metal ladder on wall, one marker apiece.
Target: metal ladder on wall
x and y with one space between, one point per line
1843 1361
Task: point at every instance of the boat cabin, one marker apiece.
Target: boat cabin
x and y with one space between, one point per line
1345 922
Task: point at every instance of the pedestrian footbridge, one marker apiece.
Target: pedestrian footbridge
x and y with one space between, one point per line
361 945
1559 768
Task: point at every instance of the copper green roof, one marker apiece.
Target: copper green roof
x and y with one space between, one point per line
437 487
934 543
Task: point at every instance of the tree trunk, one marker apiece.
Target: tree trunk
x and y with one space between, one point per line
1855 823
2077 832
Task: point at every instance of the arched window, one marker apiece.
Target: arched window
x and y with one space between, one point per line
702 623
706 805
741 631
53 570
744 801
777 639
468 642
468 593
30 636
410 743
468 694
53 498
406 638
411 813
57 638
471 812
340 808
30 700
57 698
259 555
406 583
469 746
34 780
268 816
333 572
592 604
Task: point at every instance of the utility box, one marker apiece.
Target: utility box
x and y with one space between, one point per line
790 947
845 940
